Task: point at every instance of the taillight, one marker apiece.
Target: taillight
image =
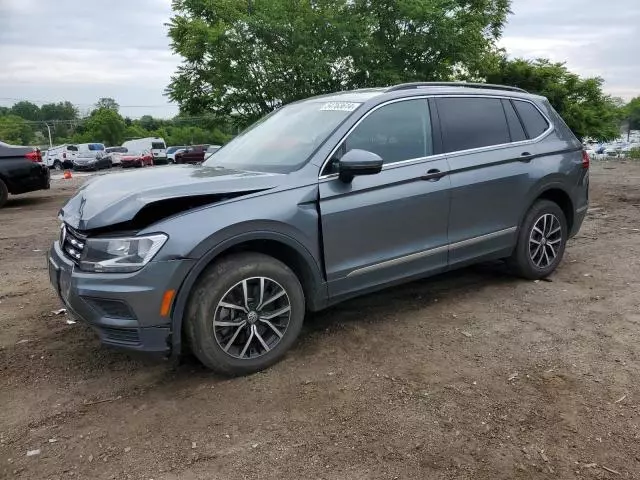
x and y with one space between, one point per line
585 159
34 156
64 155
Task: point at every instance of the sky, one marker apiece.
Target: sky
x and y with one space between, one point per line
80 50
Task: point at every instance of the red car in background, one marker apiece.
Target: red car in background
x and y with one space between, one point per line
132 159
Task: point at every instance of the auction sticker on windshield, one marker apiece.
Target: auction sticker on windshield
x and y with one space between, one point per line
340 106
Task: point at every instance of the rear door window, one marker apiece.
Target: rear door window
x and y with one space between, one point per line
534 122
472 122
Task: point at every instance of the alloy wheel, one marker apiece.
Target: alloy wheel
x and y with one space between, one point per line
251 318
545 240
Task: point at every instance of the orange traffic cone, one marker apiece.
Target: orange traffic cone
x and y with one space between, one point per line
67 174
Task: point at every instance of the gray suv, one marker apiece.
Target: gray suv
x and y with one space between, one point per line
320 201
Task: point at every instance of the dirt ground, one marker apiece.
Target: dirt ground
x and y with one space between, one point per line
470 375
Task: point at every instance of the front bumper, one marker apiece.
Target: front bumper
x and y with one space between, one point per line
85 166
124 309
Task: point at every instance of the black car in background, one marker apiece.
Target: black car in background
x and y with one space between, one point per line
21 171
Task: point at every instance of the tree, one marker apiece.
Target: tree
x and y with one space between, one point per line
14 129
148 122
58 111
580 101
105 125
248 58
632 113
27 110
107 103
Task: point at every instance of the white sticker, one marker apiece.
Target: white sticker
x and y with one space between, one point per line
340 106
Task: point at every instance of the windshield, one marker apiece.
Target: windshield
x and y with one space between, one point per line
157 145
173 149
283 141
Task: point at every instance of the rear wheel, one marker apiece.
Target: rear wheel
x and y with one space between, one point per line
541 241
57 165
4 193
244 314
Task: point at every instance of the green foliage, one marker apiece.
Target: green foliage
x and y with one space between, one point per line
632 113
58 111
105 125
107 103
248 58
26 110
15 130
580 101
634 153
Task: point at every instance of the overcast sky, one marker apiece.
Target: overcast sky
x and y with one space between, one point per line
80 50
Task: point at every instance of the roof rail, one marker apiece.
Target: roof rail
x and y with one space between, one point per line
489 86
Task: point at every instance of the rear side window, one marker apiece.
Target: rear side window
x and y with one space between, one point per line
72 148
398 131
534 123
472 122
515 127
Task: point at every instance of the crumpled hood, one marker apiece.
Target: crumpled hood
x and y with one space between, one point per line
111 199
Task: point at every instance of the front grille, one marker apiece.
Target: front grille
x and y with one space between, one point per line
72 243
121 335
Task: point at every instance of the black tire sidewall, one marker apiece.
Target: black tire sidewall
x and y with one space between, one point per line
213 284
4 193
522 260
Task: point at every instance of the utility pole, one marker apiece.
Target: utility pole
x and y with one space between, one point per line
49 130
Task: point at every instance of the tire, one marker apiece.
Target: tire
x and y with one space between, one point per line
246 352
4 193
531 258
57 165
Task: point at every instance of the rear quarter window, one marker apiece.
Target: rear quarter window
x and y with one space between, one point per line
534 122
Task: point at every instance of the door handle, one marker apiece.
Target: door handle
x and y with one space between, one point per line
526 157
433 175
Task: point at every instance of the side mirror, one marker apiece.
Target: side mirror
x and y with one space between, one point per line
358 162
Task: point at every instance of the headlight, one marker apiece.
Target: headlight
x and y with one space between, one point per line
120 255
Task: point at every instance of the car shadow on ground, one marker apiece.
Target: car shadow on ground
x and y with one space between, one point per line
80 348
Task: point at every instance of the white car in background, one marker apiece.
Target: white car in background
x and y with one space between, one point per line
171 152
115 154
61 156
155 145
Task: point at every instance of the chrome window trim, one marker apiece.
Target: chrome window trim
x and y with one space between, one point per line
430 251
442 155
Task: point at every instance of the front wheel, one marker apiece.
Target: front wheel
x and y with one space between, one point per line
541 241
245 312
4 193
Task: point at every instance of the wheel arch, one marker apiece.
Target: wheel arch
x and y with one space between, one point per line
277 245
557 193
560 197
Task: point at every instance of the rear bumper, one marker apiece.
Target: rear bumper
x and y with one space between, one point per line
39 179
123 309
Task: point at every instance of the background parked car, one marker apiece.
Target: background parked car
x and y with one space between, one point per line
136 159
61 156
193 154
21 171
91 156
155 145
115 154
171 153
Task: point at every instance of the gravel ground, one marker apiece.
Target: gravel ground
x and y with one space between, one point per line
469 375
